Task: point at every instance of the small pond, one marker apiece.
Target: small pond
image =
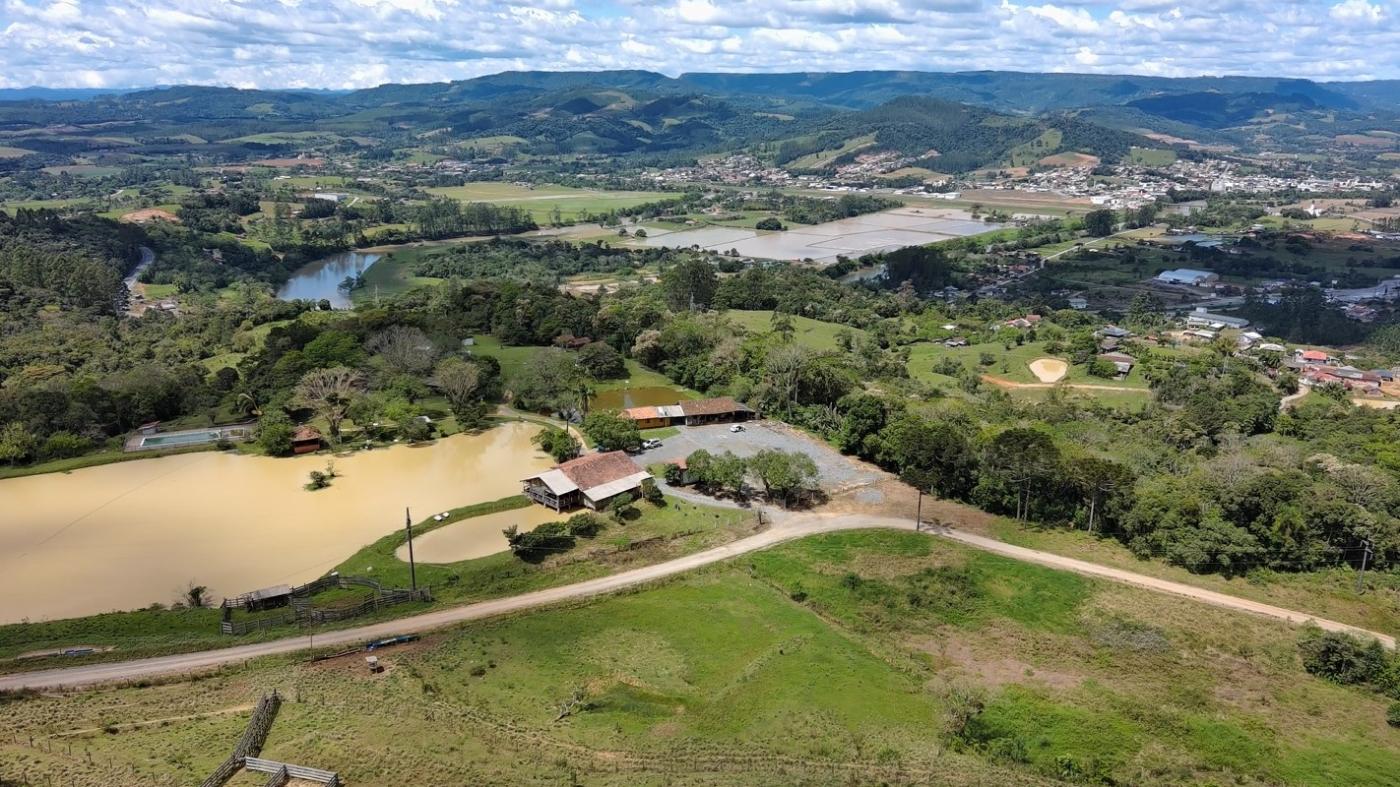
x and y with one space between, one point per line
320 280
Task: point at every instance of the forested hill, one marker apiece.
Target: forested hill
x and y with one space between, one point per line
950 137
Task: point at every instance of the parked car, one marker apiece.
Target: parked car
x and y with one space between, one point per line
649 444
737 428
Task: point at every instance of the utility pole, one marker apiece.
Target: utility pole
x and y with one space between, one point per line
412 567
1365 555
919 512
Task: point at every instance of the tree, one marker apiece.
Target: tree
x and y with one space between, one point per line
1099 223
1107 487
329 393
460 381
558 443
651 492
195 596
274 434
785 476
620 507
601 362
536 545
690 284
769 224
403 349
612 432
17 443
548 380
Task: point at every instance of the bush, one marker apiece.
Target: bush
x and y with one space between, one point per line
62 445
538 544
1392 714
584 525
1342 658
770 224
652 493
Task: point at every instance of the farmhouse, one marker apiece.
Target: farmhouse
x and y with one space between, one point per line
1188 276
590 481
1122 362
698 412
1311 356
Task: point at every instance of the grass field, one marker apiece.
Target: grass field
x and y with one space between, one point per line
854 658
811 333
1013 364
1151 157
9 152
542 201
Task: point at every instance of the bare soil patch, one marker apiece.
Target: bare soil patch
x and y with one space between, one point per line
1070 160
1049 370
148 215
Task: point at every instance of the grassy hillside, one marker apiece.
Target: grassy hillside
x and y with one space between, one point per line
868 657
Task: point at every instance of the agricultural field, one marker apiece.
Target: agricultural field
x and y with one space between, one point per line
876 655
543 201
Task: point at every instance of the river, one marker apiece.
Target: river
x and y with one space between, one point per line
320 280
125 535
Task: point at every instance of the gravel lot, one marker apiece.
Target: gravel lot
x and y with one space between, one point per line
835 470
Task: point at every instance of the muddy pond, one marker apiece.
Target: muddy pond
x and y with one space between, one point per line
126 535
641 396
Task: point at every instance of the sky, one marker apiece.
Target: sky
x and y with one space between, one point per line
361 43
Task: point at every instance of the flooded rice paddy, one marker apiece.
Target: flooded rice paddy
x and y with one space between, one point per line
123 536
476 537
822 243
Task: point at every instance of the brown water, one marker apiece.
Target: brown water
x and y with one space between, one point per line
125 535
476 537
642 396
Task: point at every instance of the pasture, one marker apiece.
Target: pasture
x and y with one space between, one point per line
875 656
544 200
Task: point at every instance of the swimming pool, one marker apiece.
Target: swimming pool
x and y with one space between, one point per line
186 438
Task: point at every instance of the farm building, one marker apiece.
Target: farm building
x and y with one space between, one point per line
305 440
1200 318
589 481
698 412
1188 276
1121 361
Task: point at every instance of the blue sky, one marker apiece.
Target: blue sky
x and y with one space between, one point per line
358 43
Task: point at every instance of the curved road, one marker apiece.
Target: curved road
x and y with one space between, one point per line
783 530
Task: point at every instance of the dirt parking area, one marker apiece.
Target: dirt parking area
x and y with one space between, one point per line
837 472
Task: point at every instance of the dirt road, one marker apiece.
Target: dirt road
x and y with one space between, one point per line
1005 383
785 529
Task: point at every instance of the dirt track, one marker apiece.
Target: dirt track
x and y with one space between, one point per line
1002 382
785 529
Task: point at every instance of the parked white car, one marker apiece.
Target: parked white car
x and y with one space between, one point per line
650 444
737 428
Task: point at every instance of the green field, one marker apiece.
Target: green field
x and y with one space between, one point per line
855 658
811 333
1151 157
543 200
1013 364
9 152
824 157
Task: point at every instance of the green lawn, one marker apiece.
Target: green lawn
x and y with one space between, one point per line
863 658
811 333
1013 364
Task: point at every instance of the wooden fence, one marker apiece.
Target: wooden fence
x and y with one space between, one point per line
288 771
250 743
305 614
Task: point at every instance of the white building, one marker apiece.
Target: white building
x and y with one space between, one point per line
1188 276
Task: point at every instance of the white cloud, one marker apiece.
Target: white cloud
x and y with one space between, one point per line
355 43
